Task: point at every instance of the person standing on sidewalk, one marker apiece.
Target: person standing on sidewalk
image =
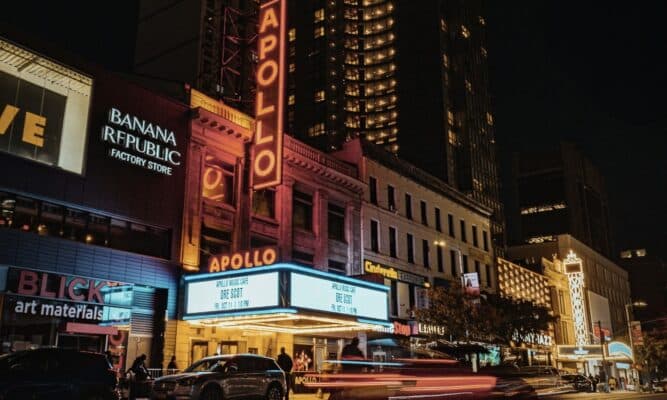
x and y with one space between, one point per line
285 363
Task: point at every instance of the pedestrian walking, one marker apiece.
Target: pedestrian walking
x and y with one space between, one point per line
351 353
171 367
139 376
285 363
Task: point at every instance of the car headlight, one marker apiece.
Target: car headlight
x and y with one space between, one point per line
187 381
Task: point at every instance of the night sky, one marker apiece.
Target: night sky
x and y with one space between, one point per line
593 73
590 72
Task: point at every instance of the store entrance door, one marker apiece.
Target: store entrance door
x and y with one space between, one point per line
94 343
229 347
199 350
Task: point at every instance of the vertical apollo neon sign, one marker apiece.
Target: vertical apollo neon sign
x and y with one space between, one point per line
575 276
268 140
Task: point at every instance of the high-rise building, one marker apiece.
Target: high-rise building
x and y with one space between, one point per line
410 76
557 191
648 283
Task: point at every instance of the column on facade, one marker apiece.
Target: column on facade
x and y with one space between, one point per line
352 224
284 196
321 229
192 210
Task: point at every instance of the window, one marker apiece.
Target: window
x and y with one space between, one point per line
392 242
218 180
291 100
487 270
463 231
302 258
375 236
319 96
441 262
425 256
408 206
292 34
452 261
264 203
485 240
319 15
438 223
336 222
337 267
411 248
319 32
465 32
316 130
450 223
302 211
373 189
391 199
213 241
477 269
422 206
475 241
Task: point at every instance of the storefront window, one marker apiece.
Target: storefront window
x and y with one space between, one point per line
218 181
264 203
50 219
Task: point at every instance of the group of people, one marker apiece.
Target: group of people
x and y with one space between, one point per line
350 352
609 384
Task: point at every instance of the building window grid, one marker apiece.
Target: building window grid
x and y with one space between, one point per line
410 241
423 209
408 206
425 254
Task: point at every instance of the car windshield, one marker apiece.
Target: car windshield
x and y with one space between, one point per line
206 364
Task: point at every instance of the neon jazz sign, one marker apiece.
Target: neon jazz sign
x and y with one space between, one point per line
268 140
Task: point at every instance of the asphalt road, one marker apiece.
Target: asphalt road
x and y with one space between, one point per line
609 396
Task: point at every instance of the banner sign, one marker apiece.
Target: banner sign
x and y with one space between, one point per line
471 283
268 140
636 331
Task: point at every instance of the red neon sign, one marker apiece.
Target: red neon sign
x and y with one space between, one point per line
268 140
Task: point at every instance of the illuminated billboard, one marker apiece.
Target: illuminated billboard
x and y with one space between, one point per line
268 139
337 297
43 109
235 293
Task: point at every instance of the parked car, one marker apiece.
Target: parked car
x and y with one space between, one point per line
579 382
228 377
53 373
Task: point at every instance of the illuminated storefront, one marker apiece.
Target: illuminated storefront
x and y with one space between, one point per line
90 210
260 310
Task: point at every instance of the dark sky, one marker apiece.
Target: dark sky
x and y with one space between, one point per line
593 73
588 71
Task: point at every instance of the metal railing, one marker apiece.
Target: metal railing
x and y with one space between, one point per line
155 373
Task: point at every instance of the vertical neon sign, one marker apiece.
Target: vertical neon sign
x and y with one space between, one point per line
268 140
575 276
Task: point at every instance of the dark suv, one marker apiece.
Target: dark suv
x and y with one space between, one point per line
52 373
241 376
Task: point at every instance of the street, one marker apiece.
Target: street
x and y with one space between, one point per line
609 396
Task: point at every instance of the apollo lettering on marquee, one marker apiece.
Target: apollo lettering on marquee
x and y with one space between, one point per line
268 140
243 259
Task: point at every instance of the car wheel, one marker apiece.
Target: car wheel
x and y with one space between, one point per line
274 393
211 393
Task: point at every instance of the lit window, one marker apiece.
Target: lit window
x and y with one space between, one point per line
292 67
450 117
465 32
319 32
292 34
452 137
482 21
484 52
489 118
319 96
468 86
316 130
291 99
443 25
445 60
319 15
